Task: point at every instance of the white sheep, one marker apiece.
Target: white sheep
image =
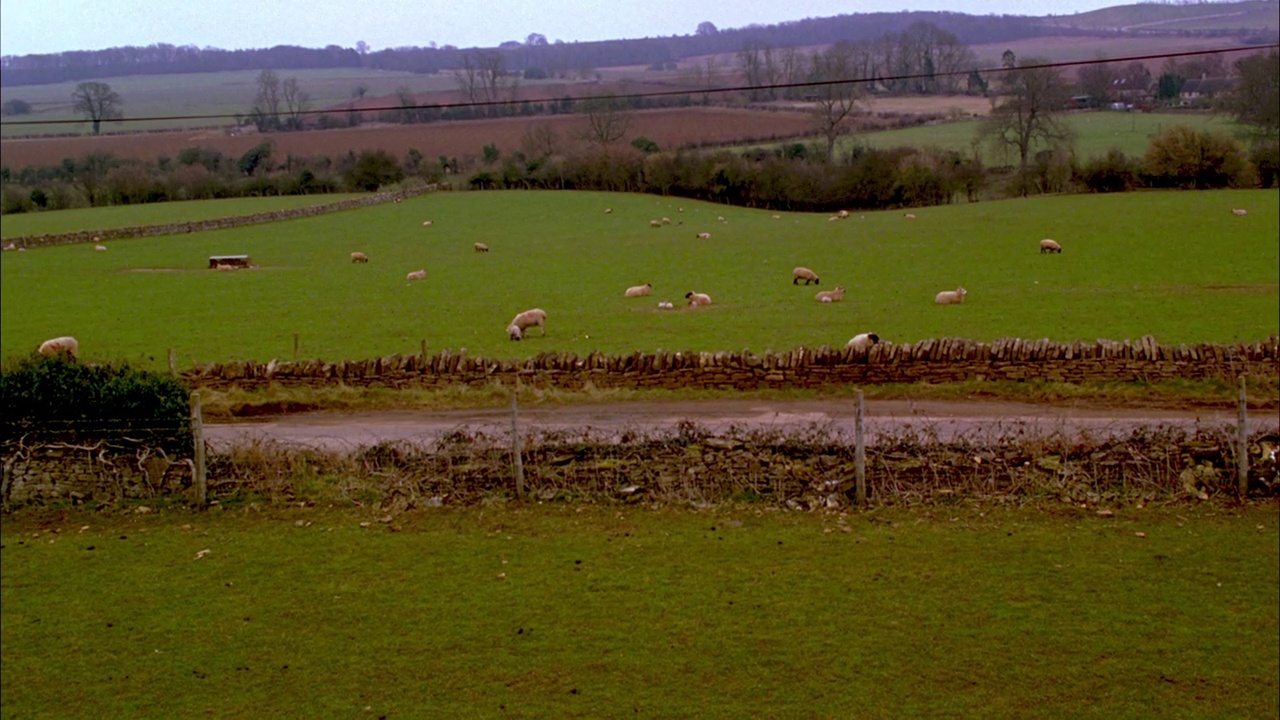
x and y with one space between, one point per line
833 218
426 223
1239 211
10 246
666 305
525 320
481 247
655 223
863 341
909 216
805 274
359 257
638 290
951 297
1050 246
666 220
608 211
704 236
830 296
776 217
843 214
65 345
697 298
100 248
721 218
416 275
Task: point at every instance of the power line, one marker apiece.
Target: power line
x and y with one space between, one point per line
676 93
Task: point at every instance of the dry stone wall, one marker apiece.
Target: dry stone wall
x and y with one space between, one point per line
933 361
98 473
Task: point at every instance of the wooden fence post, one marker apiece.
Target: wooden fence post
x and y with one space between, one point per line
424 349
1242 442
859 454
515 448
295 347
197 441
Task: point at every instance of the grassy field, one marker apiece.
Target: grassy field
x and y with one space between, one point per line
1096 133
120 216
1175 265
597 612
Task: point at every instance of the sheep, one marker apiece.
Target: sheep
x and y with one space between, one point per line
10 246
863 341
776 217
1050 246
951 297
830 296
703 236
805 274
1239 211
843 214
697 298
100 248
909 216
426 223
655 223
833 218
224 267
666 305
666 220
721 218
416 275
359 257
481 247
638 290
526 320
65 345
608 211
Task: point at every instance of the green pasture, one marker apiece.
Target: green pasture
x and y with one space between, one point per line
1176 265
121 216
588 612
1096 133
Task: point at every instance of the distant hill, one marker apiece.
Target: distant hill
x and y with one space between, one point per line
1250 21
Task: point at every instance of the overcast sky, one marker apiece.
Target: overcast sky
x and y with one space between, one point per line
47 26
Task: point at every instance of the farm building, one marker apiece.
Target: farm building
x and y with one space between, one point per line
236 261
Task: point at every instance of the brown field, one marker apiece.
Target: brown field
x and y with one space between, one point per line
670 128
1067 49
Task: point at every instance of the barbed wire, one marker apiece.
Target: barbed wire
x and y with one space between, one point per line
675 93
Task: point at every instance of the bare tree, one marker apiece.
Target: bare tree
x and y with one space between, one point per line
607 120
98 102
539 141
296 102
1027 110
838 98
266 106
1097 81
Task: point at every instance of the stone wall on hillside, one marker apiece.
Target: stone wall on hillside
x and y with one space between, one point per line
933 361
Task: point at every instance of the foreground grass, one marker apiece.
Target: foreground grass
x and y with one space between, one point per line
1176 265
563 611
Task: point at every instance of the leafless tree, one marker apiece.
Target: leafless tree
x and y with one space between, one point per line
607 120
296 102
839 98
98 102
1097 80
266 106
1027 110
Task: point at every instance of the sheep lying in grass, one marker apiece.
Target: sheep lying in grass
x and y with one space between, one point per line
359 257
65 345
951 297
608 211
100 248
1239 211
638 290
525 320
481 247
805 274
416 275
1050 246
704 236
909 216
830 296
843 214
697 298
863 341
666 305
426 223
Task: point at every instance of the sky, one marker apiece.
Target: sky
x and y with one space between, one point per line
50 26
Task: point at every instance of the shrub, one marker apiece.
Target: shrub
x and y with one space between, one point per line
1184 158
1112 173
57 400
1265 157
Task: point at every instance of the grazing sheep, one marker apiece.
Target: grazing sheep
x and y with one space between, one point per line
1050 246
843 214
704 236
1239 211
638 290
416 275
655 223
863 341
829 296
65 345
777 217
481 247
909 216
426 223
720 218
805 274
526 320
608 211
951 297
666 305
697 298
833 218
100 248
359 257
666 221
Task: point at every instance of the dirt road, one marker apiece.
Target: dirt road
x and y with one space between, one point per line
947 419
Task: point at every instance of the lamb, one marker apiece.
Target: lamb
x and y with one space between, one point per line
1050 246
863 341
697 298
416 275
666 305
951 297
805 274
1239 211
65 345
526 320
830 296
359 257
638 290
704 236
481 247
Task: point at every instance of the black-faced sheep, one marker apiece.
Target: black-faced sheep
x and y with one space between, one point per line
481 247
863 341
805 274
359 257
704 236
951 297
697 298
638 290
